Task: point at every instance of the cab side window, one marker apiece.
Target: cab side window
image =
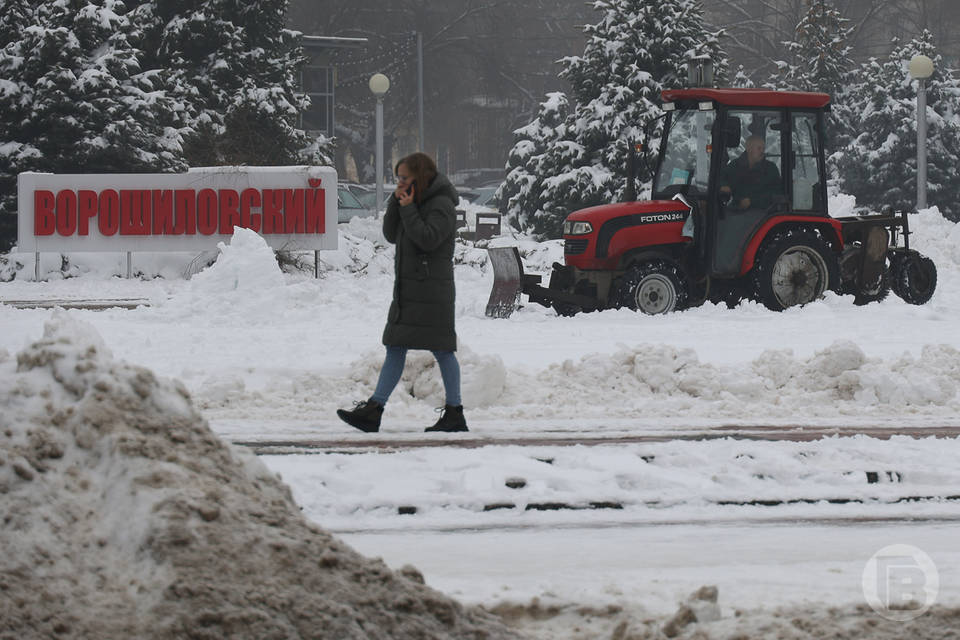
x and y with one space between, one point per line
806 173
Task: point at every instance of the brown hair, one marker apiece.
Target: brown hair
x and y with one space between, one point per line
422 168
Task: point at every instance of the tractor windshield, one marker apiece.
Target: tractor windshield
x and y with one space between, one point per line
686 154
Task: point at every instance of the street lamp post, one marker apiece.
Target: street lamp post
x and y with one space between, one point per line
420 87
379 85
921 68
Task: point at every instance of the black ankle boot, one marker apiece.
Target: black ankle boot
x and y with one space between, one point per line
450 420
365 415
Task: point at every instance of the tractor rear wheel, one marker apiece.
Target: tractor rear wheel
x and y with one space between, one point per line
654 287
794 267
914 277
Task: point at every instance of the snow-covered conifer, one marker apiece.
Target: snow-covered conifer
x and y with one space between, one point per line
742 79
74 96
820 55
820 60
526 164
879 164
635 50
234 71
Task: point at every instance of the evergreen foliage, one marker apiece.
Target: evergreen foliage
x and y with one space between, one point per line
820 54
234 69
528 160
742 79
74 98
879 164
635 50
820 60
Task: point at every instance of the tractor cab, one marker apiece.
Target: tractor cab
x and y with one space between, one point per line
741 158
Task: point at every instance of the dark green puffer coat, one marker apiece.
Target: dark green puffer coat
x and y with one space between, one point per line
421 315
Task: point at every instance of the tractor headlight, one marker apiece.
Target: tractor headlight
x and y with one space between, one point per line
576 228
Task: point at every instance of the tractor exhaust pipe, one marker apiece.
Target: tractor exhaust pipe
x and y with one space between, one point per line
700 72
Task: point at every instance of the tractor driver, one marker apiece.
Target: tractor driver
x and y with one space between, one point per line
751 180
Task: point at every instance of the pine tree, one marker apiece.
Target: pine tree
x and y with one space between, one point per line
820 60
74 97
742 79
879 164
234 69
820 55
636 49
16 16
526 162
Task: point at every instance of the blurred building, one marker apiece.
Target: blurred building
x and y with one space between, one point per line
319 81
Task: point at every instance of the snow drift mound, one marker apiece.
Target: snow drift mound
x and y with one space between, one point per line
124 516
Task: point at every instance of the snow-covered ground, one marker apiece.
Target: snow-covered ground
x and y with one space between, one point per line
270 356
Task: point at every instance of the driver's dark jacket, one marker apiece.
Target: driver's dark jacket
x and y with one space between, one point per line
759 183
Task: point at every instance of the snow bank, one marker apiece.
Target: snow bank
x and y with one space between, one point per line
645 381
126 517
245 265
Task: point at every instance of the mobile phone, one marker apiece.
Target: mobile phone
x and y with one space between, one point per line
409 191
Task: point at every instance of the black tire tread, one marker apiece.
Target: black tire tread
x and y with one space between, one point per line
775 245
639 271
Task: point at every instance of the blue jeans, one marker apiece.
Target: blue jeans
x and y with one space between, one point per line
393 368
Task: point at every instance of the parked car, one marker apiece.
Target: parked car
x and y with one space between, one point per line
483 196
348 206
367 194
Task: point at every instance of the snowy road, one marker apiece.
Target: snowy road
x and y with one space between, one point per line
637 526
753 565
795 433
414 487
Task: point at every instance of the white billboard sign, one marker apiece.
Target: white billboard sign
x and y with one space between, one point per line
290 207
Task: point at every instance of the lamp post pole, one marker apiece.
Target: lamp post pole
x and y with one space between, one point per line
922 144
420 87
379 85
921 68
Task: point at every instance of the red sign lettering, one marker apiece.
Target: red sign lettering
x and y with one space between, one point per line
108 218
86 209
162 212
44 217
207 212
66 213
142 212
249 199
229 211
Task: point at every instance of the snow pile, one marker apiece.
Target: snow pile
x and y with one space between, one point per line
639 383
126 517
838 379
246 265
933 235
669 381
483 377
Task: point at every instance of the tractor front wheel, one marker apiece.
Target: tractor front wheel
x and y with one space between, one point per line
654 287
794 267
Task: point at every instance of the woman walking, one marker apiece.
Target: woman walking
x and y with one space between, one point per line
420 220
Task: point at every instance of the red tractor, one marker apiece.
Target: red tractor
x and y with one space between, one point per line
703 236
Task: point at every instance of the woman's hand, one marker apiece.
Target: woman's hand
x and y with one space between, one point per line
404 195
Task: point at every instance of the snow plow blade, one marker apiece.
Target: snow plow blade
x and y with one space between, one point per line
507 281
